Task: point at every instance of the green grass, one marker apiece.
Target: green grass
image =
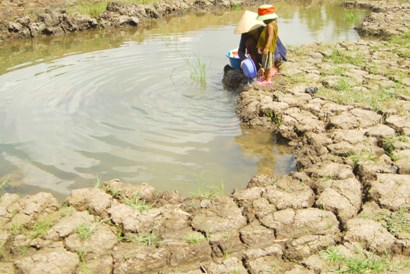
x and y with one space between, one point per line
351 16
41 227
66 211
85 230
339 70
402 43
195 238
236 6
398 222
376 100
389 144
115 193
137 202
343 84
98 181
148 239
197 69
92 9
204 191
361 157
83 264
3 184
360 262
341 57
97 8
298 78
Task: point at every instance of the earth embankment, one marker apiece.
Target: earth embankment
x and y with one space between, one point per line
345 108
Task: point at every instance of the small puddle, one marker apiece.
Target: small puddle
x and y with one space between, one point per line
128 104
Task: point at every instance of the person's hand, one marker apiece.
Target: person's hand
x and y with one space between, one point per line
265 51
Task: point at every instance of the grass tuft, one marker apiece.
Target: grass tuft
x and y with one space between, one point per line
98 181
41 227
85 230
389 144
340 57
97 8
208 192
148 239
197 69
137 202
359 263
398 222
361 157
402 44
3 184
195 238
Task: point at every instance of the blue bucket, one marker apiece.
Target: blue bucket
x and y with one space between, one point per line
233 59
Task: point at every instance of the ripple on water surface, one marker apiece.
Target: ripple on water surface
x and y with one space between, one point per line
130 109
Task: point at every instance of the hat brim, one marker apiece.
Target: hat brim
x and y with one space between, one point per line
267 17
248 22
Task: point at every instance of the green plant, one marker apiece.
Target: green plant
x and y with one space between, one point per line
85 230
208 192
299 77
359 262
81 255
98 181
360 157
66 211
343 84
92 9
402 42
195 238
339 70
388 143
137 202
398 222
3 184
24 249
149 239
16 227
339 57
277 119
114 192
351 16
236 5
197 70
41 227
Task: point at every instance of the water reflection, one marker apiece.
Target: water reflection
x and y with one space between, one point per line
272 157
301 22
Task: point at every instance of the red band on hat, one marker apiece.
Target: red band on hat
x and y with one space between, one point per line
266 10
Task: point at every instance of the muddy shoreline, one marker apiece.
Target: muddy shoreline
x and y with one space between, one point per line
348 201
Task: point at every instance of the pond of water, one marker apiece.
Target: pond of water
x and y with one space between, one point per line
127 104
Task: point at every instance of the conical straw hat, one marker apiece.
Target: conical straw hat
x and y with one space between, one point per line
248 22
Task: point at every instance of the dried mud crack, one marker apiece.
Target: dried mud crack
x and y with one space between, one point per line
348 202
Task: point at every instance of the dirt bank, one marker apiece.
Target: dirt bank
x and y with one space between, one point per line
28 19
345 209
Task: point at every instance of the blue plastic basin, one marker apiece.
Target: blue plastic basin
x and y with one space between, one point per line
235 62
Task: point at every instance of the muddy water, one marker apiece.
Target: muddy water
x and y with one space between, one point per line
128 104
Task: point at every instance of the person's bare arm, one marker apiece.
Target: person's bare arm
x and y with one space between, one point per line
269 40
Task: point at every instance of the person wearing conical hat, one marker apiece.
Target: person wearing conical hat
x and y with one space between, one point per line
250 30
267 42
